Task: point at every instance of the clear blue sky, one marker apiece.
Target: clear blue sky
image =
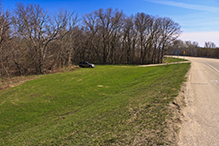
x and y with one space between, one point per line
199 19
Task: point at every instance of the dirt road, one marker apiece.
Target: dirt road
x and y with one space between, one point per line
200 126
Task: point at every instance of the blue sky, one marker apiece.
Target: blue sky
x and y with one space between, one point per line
199 19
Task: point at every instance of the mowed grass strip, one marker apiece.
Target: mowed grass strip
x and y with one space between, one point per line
105 105
172 59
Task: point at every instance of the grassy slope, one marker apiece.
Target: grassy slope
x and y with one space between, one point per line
172 59
105 105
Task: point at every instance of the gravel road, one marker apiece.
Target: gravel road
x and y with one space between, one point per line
200 126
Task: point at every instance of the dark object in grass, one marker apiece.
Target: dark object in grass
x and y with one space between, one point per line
86 64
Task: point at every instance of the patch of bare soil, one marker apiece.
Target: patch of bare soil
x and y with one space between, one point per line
15 81
174 123
176 108
62 70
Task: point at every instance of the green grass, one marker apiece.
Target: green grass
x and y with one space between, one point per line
172 59
105 105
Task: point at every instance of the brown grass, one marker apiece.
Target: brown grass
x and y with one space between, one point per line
8 82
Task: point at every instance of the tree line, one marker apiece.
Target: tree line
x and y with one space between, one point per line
193 49
33 41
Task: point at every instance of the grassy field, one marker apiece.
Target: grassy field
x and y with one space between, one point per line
105 105
172 59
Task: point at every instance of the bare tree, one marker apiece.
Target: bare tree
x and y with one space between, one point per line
192 49
34 25
4 41
210 45
108 21
66 24
36 42
92 31
170 32
142 22
129 38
